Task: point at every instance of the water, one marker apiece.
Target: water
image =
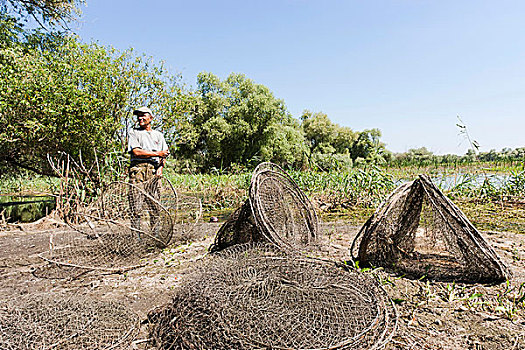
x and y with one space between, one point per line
25 208
447 182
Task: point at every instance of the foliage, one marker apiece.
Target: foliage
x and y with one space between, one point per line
330 162
49 11
369 147
66 99
421 157
236 121
62 96
366 186
327 139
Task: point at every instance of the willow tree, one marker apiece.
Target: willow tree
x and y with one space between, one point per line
51 12
236 121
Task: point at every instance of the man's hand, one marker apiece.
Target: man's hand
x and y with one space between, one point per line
163 154
158 173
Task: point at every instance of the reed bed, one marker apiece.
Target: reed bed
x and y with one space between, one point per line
349 194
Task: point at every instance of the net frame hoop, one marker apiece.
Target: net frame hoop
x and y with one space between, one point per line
119 182
110 221
176 209
385 336
259 215
262 218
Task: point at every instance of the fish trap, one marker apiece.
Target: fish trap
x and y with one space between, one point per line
277 211
65 323
257 296
123 225
419 232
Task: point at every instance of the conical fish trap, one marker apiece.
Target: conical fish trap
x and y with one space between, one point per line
276 211
123 225
419 232
255 296
59 322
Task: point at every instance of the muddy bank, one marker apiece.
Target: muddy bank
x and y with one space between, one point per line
432 315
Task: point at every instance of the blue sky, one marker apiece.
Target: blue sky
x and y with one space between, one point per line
407 67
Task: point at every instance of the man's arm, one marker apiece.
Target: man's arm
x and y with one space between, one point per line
141 153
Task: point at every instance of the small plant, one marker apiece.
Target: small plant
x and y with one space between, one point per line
510 301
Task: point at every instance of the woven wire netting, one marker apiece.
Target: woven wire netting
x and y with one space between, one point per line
59 322
256 296
125 223
276 211
419 232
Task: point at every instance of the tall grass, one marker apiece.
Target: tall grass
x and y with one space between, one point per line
352 193
411 170
491 187
27 183
365 187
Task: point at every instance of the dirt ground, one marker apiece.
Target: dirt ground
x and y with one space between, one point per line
432 315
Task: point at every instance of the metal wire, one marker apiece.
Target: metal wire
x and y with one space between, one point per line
419 232
65 322
256 296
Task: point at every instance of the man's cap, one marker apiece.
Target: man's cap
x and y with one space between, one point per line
141 110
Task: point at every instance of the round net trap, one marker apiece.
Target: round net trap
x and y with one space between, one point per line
419 232
59 322
255 296
276 211
125 223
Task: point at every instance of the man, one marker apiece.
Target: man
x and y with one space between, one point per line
147 147
148 151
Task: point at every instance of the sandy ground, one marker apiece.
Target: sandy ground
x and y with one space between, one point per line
432 315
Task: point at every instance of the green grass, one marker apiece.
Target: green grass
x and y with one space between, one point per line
476 168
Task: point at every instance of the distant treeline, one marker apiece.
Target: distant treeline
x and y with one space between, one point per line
423 157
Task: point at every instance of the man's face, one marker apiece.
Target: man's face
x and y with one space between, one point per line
144 119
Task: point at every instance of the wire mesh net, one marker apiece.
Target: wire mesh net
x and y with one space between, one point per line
125 223
256 296
59 322
276 211
419 232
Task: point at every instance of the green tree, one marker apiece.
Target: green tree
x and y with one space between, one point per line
368 146
236 121
48 11
326 137
59 95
